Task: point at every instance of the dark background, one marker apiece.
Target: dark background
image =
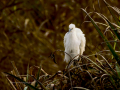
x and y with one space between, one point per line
30 30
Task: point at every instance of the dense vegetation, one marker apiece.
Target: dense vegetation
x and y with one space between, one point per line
30 30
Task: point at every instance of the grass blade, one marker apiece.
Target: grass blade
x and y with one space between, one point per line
15 69
114 29
115 18
27 73
34 88
39 83
38 74
104 38
81 88
118 70
10 82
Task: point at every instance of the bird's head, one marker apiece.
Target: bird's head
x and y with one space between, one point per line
71 27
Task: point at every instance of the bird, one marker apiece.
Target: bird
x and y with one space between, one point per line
74 43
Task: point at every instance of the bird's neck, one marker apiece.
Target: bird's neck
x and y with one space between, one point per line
73 34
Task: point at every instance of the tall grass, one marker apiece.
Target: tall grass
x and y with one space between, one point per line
98 74
114 28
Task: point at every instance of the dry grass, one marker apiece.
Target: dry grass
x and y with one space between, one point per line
31 30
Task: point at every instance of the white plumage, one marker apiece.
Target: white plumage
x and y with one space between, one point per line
74 43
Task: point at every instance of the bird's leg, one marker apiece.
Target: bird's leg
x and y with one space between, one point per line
84 63
79 58
75 63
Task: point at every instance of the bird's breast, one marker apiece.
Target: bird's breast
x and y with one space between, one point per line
72 43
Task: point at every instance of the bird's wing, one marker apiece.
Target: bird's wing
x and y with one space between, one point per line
82 39
82 45
65 37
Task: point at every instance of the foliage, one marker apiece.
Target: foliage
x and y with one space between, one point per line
114 29
92 78
31 30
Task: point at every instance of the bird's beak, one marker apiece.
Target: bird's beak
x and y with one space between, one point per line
70 29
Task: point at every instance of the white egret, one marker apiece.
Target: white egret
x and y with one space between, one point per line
74 43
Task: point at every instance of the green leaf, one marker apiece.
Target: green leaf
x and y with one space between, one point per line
118 70
104 38
115 18
38 74
114 29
